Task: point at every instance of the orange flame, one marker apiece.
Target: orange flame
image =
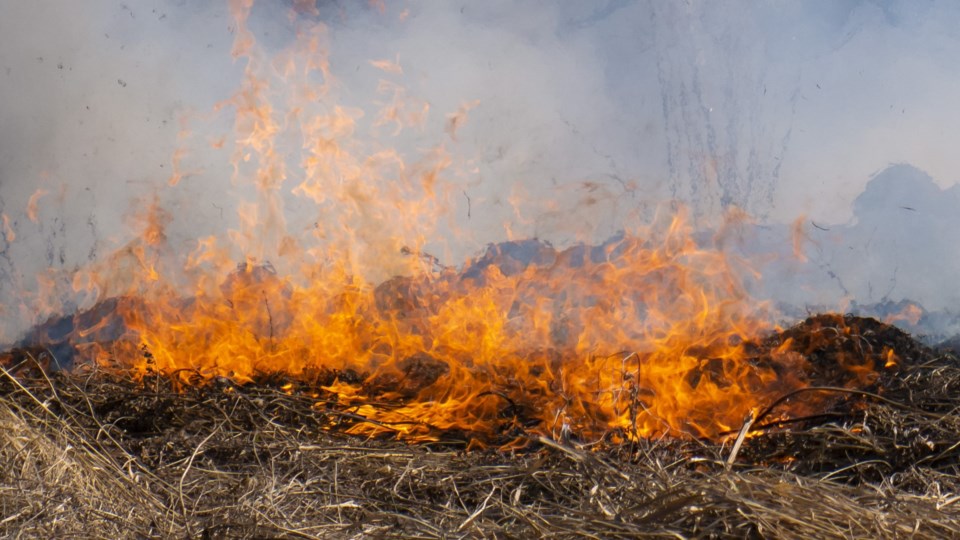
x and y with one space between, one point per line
389 66
33 203
636 337
910 314
642 336
800 236
457 119
8 233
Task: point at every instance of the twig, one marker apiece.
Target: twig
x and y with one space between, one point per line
466 523
744 429
183 505
769 409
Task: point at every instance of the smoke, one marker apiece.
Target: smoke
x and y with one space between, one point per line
565 121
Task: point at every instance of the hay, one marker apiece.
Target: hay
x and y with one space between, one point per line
94 454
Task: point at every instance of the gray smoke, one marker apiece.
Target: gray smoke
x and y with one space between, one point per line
591 113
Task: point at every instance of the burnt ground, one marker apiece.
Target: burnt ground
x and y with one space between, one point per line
95 454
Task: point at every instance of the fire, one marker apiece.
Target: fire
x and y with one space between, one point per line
910 314
34 202
646 334
634 338
8 233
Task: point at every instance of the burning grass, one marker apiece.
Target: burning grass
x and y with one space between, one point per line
612 390
98 454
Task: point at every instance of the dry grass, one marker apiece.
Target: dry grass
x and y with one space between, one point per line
94 455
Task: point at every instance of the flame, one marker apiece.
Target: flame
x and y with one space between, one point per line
8 233
800 236
910 314
644 335
891 360
457 119
33 203
389 66
638 337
